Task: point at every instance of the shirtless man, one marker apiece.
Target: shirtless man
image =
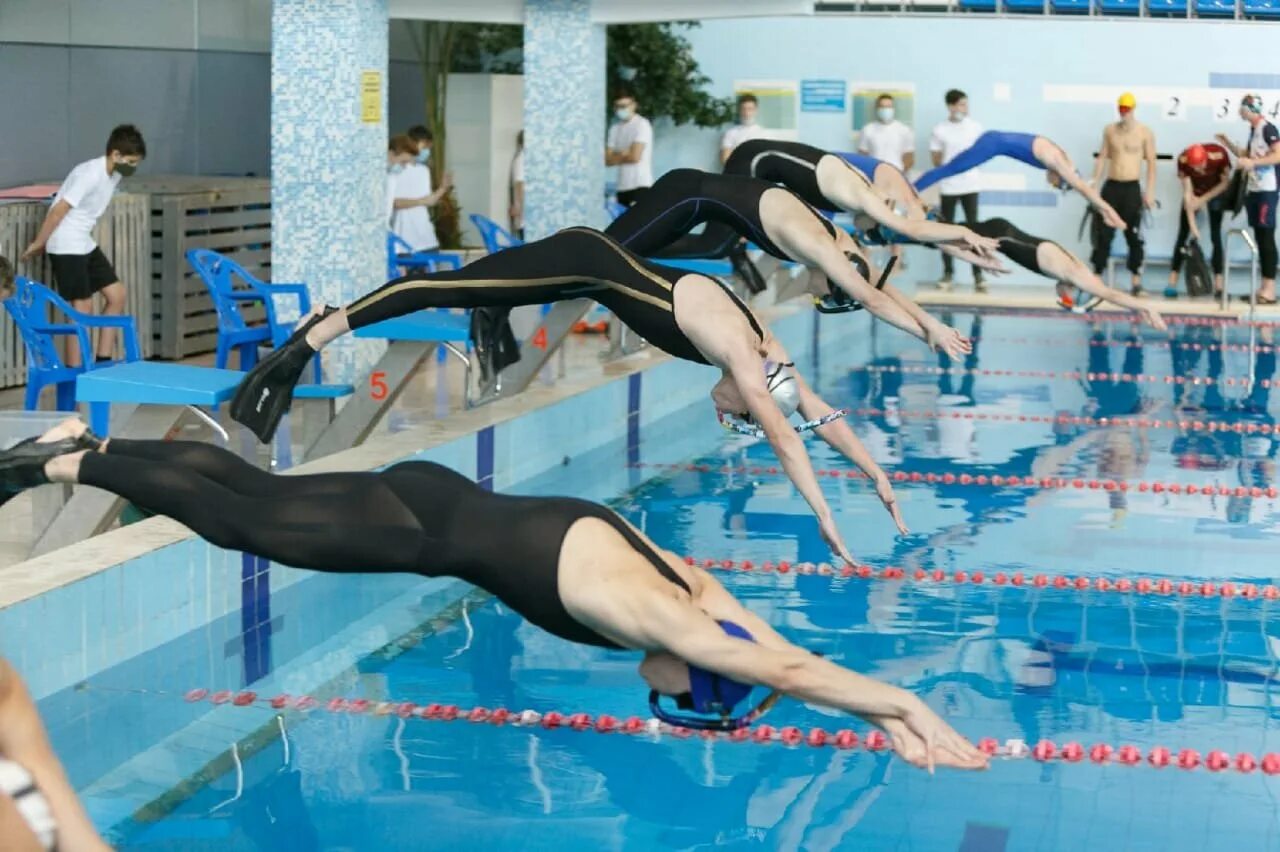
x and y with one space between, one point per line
1126 144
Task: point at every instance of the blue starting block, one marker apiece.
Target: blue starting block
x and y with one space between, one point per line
714 268
411 339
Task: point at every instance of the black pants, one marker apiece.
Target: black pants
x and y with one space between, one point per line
1215 234
969 202
1261 207
628 197
1126 197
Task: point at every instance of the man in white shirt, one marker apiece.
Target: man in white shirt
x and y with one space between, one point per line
888 139
413 196
745 130
80 269
630 148
950 138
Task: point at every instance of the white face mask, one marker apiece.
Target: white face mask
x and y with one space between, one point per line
957 115
622 113
885 114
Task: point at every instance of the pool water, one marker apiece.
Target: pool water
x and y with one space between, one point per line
1025 663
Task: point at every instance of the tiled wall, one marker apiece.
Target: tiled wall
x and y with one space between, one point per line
564 108
328 167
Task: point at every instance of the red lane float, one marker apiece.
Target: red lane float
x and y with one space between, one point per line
1044 751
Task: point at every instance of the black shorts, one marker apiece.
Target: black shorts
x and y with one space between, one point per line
79 276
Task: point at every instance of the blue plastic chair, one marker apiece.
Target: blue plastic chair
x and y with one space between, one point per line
1071 7
1024 6
1167 8
978 5
1251 9
219 274
494 236
401 258
1120 7
29 306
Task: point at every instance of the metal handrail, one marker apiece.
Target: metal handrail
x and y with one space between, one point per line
1254 279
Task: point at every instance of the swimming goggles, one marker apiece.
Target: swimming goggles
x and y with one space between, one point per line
737 423
837 301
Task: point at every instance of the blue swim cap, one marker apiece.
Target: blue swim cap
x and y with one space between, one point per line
714 696
713 693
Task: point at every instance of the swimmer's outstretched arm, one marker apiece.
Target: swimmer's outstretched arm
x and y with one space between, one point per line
1056 262
742 361
23 740
841 438
942 337
691 634
1056 160
831 262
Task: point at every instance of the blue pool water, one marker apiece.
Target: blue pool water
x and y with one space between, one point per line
1024 663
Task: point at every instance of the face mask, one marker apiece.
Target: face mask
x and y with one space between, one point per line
885 114
423 156
957 115
395 168
748 122
622 113
125 169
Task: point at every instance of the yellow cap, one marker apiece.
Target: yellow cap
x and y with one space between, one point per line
1127 100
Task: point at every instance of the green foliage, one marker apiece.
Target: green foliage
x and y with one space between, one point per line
488 49
655 63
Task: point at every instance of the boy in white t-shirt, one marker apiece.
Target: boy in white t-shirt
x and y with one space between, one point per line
413 196
80 269
951 138
888 139
630 148
516 211
745 130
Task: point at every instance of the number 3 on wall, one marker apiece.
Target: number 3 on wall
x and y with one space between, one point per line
1223 110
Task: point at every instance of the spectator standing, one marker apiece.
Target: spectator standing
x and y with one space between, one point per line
949 139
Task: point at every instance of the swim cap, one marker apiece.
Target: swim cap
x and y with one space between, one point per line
1196 156
1252 103
714 695
1126 102
781 380
16 783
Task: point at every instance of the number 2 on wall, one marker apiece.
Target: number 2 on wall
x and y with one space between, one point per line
1175 109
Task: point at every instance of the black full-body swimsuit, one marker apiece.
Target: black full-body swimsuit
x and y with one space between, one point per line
792 164
659 224
574 263
412 518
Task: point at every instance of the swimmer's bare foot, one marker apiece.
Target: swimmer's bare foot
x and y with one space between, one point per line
72 427
64 468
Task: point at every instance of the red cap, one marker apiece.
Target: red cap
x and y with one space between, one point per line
1196 156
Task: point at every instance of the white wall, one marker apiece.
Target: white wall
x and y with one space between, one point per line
484 114
243 25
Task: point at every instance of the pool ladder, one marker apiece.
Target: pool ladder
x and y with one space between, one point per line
1254 280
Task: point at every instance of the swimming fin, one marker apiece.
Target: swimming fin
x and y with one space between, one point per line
22 465
264 395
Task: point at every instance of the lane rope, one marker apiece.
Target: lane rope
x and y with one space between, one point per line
1075 375
1101 317
1044 751
982 480
1184 424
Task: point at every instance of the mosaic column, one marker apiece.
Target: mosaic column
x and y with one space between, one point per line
328 157
564 114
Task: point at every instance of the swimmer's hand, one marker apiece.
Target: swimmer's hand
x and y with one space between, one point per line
913 750
944 338
885 492
1153 319
831 535
1111 217
942 743
981 244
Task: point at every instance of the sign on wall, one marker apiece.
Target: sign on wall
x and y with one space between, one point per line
371 97
822 95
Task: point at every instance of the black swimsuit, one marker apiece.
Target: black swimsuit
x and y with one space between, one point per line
658 225
574 263
1017 245
792 164
413 517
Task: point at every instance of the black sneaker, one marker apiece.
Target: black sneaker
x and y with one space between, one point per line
266 391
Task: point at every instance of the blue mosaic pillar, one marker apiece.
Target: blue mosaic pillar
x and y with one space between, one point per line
328 157
564 112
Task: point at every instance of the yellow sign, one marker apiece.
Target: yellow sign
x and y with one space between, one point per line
371 97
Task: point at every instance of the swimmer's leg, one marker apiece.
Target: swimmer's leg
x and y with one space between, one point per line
339 522
532 274
984 149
